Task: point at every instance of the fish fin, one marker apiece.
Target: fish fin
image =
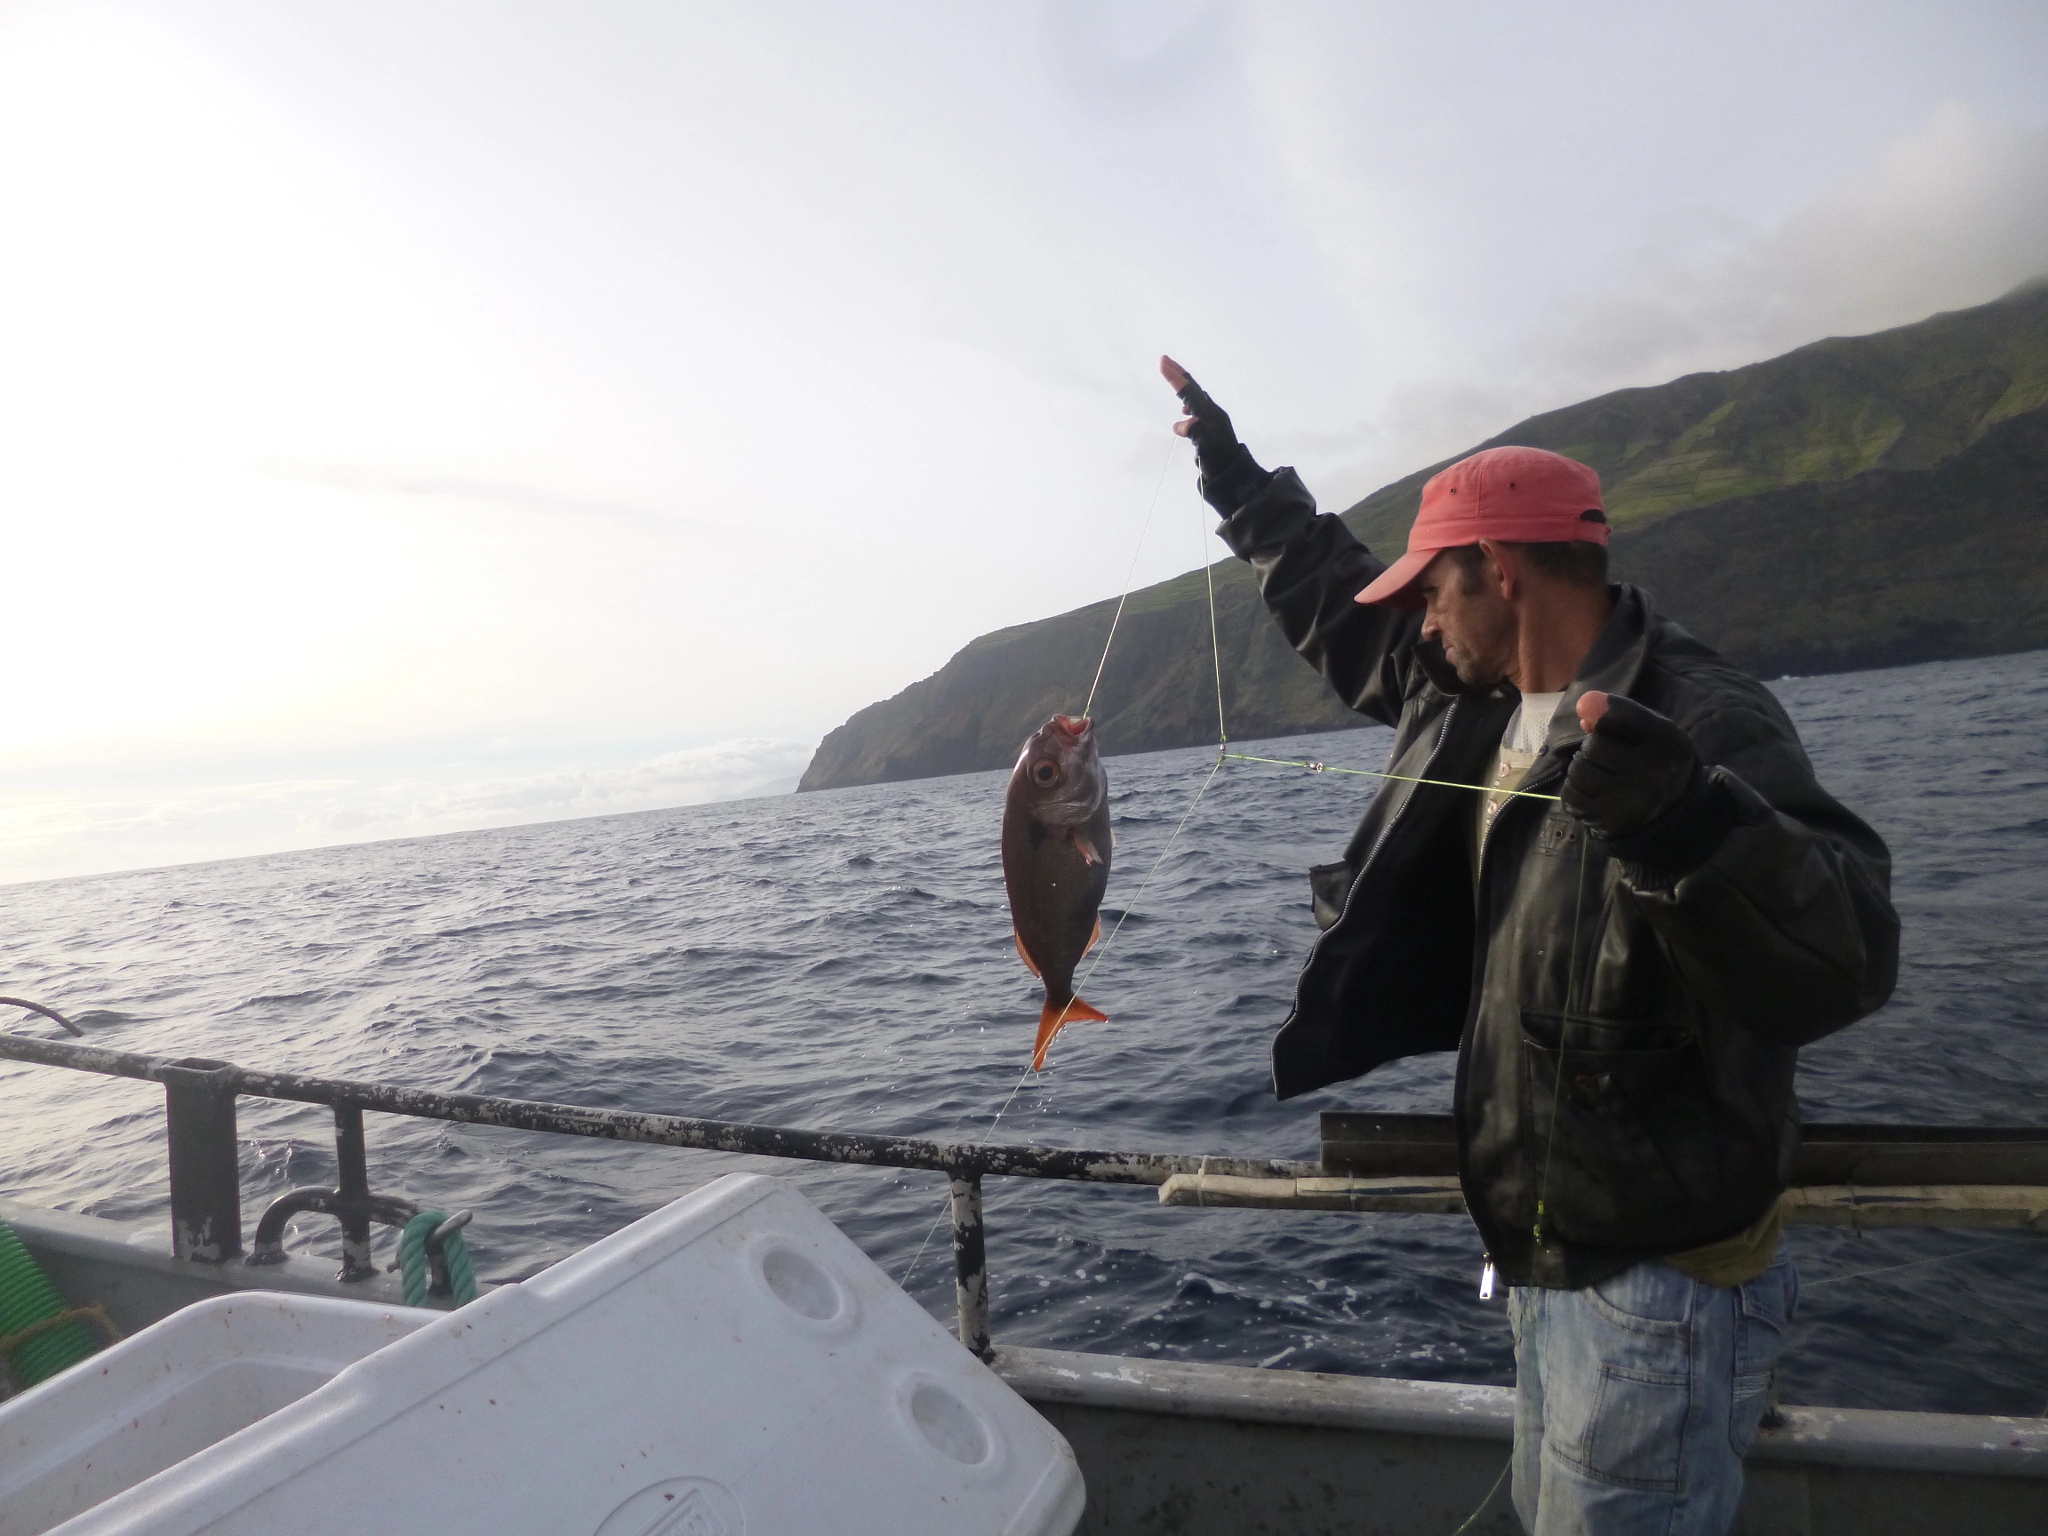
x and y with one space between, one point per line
1086 849
1025 954
1094 938
1052 1020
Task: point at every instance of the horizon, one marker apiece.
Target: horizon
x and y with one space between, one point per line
417 426
791 792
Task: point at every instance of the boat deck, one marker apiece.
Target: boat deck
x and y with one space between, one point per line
1184 1449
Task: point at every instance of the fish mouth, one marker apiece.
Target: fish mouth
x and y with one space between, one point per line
1073 726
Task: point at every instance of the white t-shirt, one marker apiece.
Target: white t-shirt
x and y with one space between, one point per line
1520 744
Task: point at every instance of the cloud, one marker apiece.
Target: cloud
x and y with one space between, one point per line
51 834
729 770
1119 59
1951 215
521 498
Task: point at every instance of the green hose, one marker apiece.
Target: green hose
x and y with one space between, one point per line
28 1298
412 1260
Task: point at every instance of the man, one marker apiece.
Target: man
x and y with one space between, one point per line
1626 904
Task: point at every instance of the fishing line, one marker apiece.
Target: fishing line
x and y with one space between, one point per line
1129 576
1462 1529
1131 905
1400 778
1861 1274
1087 709
1571 983
1571 987
1222 756
1222 740
1122 916
1940 1258
946 1209
1215 641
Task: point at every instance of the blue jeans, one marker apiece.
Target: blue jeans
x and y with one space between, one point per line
1636 1398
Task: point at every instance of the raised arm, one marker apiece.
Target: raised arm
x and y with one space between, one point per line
1309 566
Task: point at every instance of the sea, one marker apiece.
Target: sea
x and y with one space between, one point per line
843 960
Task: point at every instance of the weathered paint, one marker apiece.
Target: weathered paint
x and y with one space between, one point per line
268 1248
665 1130
206 1188
1187 1449
970 1264
2022 1207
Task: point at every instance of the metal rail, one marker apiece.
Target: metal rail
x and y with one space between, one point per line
1957 1177
206 1198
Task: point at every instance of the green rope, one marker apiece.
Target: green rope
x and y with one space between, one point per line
413 1265
38 1336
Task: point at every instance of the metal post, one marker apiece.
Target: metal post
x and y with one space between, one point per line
206 1174
970 1264
352 1186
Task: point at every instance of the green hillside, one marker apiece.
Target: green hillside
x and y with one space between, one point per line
1862 501
1880 569
1902 399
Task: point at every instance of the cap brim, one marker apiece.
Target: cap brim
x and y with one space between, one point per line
1394 586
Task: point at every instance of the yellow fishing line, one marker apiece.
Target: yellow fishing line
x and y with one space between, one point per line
1222 756
1215 639
1367 773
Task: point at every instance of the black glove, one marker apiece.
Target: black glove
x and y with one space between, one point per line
1215 440
1641 788
1220 456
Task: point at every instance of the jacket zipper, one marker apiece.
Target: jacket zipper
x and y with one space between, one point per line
1488 1272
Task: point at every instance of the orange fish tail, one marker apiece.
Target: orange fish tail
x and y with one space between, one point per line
1052 1019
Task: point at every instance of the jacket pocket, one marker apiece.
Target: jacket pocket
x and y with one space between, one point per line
1329 885
1622 1129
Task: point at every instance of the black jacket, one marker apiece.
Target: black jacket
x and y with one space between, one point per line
1669 1121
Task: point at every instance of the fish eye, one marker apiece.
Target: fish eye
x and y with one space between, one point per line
1045 770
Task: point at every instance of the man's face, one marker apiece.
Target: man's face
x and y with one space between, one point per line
1466 614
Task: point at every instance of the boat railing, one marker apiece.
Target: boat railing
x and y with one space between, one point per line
1854 1175
200 1097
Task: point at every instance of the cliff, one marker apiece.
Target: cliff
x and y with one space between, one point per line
1863 501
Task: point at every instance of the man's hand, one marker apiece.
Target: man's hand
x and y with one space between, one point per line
1202 421
1634 766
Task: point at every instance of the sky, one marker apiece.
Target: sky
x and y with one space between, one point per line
424 416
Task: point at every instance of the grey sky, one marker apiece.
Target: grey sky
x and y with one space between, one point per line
484 408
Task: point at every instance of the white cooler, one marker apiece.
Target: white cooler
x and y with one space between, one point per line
731 1365
175 1388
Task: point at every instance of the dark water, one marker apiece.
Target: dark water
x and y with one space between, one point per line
844 960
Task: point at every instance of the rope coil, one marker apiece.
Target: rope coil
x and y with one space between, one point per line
92 1312
415 1267
39 1335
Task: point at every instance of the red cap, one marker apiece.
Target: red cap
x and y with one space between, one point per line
1517 495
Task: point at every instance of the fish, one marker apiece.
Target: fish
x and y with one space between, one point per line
1056 849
